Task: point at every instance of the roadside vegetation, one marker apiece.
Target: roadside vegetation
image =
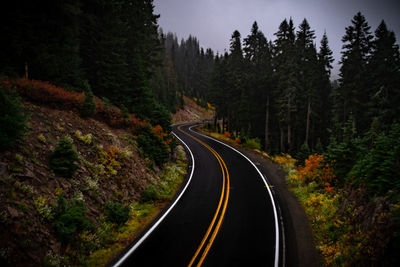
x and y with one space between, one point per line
352 203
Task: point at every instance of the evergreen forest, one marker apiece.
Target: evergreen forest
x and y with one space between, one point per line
276 90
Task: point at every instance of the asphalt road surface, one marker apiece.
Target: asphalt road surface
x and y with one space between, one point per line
224 215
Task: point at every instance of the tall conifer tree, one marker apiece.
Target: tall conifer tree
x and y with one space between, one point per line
353 86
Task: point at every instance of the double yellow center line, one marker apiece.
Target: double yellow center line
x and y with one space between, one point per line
219 213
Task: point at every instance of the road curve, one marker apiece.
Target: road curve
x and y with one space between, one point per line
224 215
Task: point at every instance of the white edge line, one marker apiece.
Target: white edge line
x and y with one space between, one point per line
266 185
141 240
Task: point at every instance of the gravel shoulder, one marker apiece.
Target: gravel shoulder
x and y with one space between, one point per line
299 244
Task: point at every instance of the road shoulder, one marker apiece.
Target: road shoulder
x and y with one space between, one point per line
300 248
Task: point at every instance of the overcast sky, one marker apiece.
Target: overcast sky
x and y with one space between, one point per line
213 21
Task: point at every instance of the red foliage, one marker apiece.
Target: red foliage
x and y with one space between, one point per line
46 93
135 123
114 117
329 188
59 98
99 105
227 134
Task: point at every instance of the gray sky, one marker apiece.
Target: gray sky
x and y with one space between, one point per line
213 21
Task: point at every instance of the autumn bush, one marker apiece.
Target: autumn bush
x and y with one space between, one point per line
46 93
86 103
111 159
316 169
227 134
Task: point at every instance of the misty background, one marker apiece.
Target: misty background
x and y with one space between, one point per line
213 22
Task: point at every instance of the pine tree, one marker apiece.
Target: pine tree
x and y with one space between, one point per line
285 67
325 55
259 73
235 82
324 108
307 59
384 67
217 94
353 72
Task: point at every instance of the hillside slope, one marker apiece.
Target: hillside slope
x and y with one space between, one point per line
191 111
42 219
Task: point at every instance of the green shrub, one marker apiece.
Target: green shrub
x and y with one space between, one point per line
70 219
12 118
159 115
150 194
153 146
88 108
63 159
379 168
303 154
117 213
252 144
342 156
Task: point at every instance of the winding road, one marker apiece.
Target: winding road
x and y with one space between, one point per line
225 214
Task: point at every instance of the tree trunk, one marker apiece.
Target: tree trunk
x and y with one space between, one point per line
26 70
267 126
308 121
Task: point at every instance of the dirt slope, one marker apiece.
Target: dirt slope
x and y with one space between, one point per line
110 169
192 112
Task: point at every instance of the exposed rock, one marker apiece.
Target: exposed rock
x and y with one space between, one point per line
55 246
64 183
13 212
3 170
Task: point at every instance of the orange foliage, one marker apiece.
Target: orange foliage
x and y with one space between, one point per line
113 152
46 93
159 131
237 140
329 188
315 169
227 134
